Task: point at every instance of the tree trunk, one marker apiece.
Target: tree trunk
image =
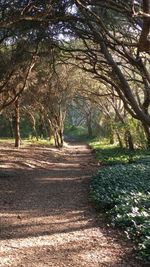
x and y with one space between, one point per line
111 139
45 133
144 42
111 134
129 140
33 121
50 129
90 132
17 124
119 139
147 134
125 91
89 126
11 127
61 138
56 138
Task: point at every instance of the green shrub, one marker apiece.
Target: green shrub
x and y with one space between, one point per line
123 191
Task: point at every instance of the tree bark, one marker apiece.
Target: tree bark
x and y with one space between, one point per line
33 122
147 134
50 131
144 42
17 123
119 139
89 126
11 127
111 134
129 140
125 91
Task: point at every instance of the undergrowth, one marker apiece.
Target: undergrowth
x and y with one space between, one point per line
112 154
77 133
122 190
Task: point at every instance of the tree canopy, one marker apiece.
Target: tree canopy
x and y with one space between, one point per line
107 39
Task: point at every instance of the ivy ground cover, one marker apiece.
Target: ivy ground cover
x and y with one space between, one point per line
123 192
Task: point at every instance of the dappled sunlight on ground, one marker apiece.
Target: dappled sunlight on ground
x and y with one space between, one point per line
46 218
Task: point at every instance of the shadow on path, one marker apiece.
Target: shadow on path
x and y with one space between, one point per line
46 218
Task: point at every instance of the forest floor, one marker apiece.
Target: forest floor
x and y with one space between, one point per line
45 215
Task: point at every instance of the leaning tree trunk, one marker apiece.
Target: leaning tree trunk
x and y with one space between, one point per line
144 42
147 134
119 139
17 124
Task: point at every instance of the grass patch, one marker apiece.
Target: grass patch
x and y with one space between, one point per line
29 141
7 140
122 190
38 142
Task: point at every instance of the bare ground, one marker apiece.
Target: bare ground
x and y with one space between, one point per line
45 216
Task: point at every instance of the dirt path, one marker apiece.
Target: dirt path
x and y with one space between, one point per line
46 219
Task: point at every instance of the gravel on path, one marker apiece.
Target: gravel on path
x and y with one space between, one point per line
45 215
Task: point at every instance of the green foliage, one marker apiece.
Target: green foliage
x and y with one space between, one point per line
133 213
123 192
77 132
113 154
114 181
138 136
5 130
25 128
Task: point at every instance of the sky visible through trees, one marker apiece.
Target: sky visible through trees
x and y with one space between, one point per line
80 70
108 40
